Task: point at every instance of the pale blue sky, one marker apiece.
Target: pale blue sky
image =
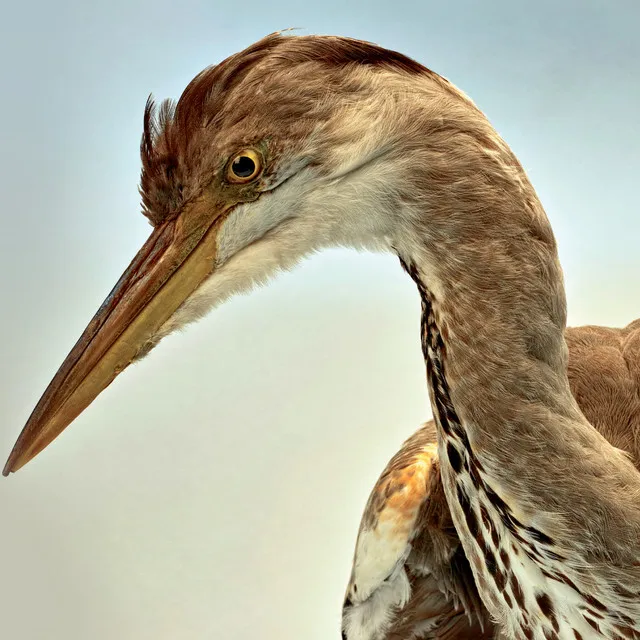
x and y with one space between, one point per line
214 490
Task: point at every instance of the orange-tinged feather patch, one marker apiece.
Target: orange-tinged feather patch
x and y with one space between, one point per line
403 492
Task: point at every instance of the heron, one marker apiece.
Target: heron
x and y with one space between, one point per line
299 143
419 583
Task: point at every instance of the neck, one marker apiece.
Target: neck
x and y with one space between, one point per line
487 270
529 481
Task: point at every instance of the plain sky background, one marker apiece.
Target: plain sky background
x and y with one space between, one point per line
215 489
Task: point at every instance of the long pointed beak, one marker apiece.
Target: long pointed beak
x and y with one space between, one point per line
174 261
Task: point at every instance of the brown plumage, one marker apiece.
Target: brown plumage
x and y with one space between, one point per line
604 374
349 144
176 163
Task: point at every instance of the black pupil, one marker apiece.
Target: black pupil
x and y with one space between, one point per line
243 167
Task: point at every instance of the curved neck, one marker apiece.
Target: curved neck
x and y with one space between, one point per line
484 258
475 239
493 339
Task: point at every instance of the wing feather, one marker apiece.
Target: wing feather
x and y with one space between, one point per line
410 577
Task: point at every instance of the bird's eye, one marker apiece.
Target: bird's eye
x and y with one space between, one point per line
244 167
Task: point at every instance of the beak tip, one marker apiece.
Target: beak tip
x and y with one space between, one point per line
12 464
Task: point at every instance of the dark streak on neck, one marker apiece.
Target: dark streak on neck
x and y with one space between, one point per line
434 350
450 426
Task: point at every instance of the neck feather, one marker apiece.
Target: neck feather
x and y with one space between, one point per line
493 323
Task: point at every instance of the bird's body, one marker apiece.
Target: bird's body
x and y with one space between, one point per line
300 143
420 584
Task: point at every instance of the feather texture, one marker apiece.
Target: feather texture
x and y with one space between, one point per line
604 374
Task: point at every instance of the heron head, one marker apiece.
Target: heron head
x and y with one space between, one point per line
292 145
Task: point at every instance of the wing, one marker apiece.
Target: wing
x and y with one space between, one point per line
430 614
604 374
410 578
